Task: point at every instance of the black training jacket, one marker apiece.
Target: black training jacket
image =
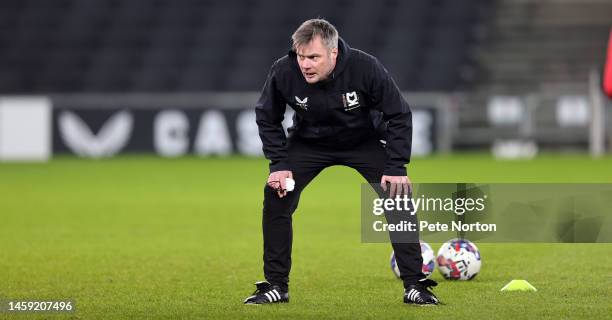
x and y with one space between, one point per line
358 100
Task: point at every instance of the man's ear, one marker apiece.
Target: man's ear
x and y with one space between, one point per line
334 53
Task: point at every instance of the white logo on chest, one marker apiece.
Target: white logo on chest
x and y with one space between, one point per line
303 103
351 100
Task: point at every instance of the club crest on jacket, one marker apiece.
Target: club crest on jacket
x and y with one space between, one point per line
350 100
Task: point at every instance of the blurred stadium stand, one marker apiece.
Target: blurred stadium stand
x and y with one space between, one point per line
541 54
219 45
533 45
512 73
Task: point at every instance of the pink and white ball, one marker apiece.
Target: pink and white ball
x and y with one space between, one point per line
428 260
459 259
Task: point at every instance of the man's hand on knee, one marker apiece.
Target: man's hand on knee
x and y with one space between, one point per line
400 185
277 181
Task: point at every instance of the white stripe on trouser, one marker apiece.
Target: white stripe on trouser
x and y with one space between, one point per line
269 296
277 294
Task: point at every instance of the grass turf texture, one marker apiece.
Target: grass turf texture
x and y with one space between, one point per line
145 237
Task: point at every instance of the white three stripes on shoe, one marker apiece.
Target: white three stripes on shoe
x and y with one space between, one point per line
413 294
277 294
272 295
267 294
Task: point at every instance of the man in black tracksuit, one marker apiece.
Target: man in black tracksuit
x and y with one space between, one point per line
345 103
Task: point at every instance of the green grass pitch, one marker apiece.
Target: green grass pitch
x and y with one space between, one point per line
145 237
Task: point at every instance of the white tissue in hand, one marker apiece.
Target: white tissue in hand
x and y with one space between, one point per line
289 184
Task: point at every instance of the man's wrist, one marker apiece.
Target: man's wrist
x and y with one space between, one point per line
395 171
279 166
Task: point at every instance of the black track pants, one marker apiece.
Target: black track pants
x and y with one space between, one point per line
306 161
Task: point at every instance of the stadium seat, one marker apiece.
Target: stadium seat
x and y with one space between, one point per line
191 45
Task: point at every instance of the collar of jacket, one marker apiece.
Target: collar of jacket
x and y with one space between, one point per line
344 53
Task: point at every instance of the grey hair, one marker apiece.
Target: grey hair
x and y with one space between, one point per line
312 28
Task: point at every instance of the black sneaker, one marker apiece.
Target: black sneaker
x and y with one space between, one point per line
267 293
420 295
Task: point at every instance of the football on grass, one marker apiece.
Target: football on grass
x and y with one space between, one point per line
459 259
428 260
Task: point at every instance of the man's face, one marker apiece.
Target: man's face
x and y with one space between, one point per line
316 60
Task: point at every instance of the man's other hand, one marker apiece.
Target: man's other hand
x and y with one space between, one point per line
277 181
400 185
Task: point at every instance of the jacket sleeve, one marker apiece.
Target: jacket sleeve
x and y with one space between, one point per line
398 117
269 113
